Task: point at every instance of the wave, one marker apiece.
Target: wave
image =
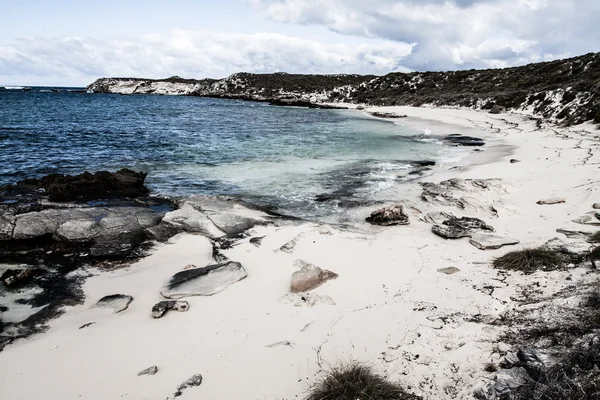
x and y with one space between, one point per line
14 87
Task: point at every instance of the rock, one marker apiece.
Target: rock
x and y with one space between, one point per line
12 278
283 343
257 241
233 224
455 228
86 325
116 302
149 371
387 115
436 217
195 380
162 307
502 384
306 299
449 270
460 140
497 109
555 200
309 278
514 161
586 220
574 234
124 183
205 281
387 216
596 206
491 242
571 248
192 220
289 246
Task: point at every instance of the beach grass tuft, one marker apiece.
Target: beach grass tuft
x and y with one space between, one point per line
356 381
530 260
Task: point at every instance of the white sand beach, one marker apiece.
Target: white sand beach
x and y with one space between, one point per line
394 310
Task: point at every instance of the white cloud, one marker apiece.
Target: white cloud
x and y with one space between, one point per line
451 34
194 54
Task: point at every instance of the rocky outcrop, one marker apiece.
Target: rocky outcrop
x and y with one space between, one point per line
388 216
205 281
566 91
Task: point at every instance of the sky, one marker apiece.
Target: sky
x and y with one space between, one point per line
74 42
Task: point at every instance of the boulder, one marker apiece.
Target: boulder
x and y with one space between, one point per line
554 200
205 281
162 307
309 277
455 228
149 371
596 206
115 302
387 216
491 242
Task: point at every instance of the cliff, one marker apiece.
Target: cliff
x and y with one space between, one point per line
566 91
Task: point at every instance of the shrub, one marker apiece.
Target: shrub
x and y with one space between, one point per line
530 260
357 382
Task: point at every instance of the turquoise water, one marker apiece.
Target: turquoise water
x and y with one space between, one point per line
281 157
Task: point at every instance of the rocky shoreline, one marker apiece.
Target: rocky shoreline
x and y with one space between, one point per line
564 91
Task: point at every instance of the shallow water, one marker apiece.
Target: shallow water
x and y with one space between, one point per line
280 157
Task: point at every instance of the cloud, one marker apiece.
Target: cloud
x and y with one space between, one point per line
450 34
196 54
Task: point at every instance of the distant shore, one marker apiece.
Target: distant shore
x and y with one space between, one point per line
430 313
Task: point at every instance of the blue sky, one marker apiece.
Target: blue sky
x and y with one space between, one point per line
74 42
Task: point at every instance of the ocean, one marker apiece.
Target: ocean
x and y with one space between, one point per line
309 163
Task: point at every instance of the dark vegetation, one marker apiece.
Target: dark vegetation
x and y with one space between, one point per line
531 260
568 90
355 381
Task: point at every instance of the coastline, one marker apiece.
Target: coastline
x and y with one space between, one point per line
394 310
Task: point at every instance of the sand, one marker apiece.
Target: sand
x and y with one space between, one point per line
393 309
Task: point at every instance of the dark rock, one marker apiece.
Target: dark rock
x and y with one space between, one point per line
460 140
205 281
17 278
162 307
149 371
86 325
387 115
387 216
455 228
496 109
115 302
124 183
514 161
195 380
3 309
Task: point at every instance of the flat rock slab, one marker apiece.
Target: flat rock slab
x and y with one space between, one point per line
554 200
491 242
587 220
116 302
205 281
162 307
449 270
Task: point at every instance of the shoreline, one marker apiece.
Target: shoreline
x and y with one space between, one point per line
393 309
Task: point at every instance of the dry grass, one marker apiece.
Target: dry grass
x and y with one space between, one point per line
530 260
357 382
